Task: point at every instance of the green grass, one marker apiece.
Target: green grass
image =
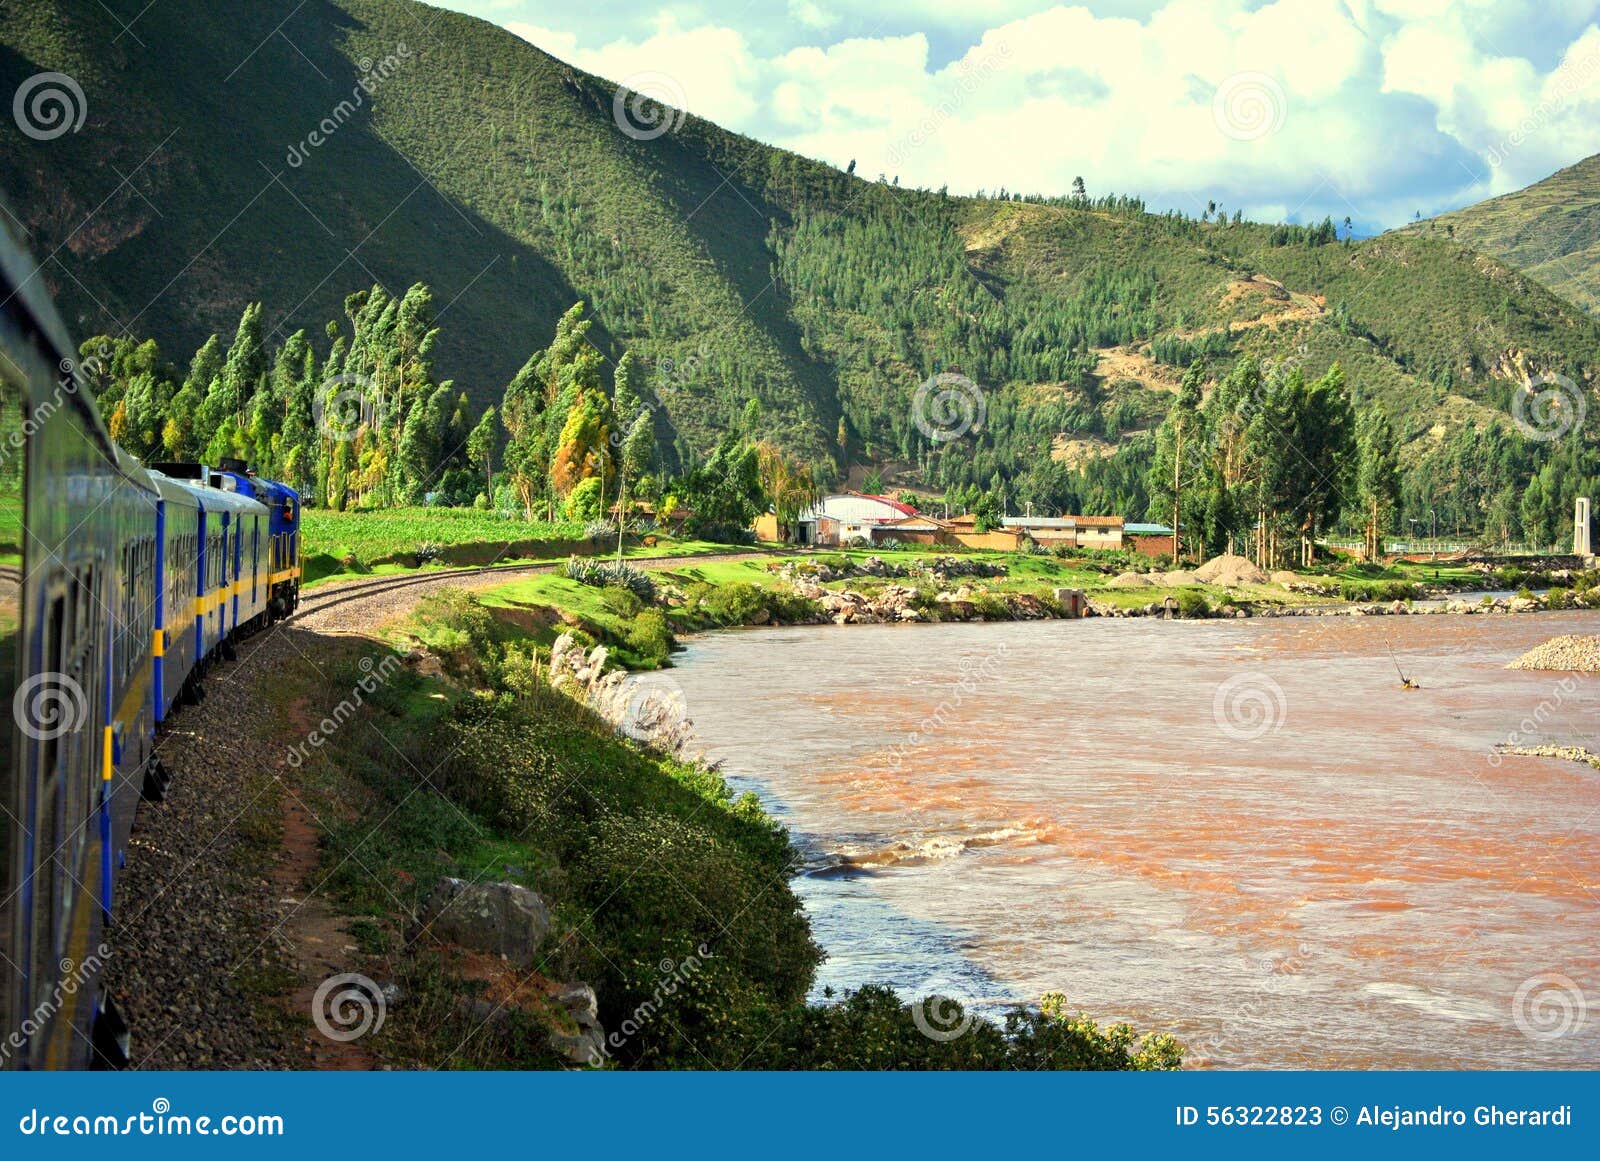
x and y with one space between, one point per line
345 545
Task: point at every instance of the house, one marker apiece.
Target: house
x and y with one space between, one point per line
917 529
1099 531
1046 530
848 516
1149 539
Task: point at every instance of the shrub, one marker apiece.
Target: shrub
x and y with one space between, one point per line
588 570
427 552
734 604
1193 604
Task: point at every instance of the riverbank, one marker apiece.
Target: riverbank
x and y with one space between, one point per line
640 618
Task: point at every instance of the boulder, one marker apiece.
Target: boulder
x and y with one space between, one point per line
503 919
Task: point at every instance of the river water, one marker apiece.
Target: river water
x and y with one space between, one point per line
1244 832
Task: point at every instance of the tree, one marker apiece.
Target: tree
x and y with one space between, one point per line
1179 456
480 448
1377 483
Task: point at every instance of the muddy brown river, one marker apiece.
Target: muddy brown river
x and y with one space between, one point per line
1244 833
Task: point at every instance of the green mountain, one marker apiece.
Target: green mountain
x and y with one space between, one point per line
1550 231
291 153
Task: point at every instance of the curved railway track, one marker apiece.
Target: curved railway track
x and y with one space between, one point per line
316 604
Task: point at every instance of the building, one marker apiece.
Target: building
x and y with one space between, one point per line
848 516
1149 539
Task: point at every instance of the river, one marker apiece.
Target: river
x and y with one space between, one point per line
1241 832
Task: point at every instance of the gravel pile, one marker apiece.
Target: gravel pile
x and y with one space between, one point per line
1575 652
1231 571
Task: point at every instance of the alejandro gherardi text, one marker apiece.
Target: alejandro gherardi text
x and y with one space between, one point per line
1396 1117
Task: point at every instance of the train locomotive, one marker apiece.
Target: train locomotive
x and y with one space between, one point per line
121 585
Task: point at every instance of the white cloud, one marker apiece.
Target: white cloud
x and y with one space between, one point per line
1373 108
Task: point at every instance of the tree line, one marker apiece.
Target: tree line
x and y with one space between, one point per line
365 422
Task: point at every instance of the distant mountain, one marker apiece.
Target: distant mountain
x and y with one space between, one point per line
292 153
1551 231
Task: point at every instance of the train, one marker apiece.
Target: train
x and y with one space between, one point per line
121 585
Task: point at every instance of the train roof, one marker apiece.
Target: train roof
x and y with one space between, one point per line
176 491
260 487
210 499
136 472
35 332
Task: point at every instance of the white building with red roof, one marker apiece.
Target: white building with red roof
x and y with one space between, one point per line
846 516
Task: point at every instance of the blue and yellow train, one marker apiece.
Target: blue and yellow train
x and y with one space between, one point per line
120 585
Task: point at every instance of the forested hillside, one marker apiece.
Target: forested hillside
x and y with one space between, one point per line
385 144
1551 230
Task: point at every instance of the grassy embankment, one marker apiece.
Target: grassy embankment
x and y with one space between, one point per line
669 895
346 545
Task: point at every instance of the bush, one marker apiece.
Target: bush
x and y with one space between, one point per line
734 604
1193 604
427 552
589 570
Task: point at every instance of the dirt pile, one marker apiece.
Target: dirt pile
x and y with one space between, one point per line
1230 571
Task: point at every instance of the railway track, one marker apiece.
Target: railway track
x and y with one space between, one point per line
317 604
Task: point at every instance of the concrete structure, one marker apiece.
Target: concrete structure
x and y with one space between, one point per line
847 516
1582 537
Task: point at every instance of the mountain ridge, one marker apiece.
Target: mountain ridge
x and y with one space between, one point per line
500 176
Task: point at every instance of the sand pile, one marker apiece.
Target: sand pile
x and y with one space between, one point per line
1130 580
1180 577
1575 652
1284 577
1230 571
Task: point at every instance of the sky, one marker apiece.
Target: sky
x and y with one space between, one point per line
1372 109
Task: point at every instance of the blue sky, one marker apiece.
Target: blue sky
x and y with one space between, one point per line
1372 109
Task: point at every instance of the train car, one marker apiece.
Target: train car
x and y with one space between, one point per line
176 643
283 553
67 504
119 586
